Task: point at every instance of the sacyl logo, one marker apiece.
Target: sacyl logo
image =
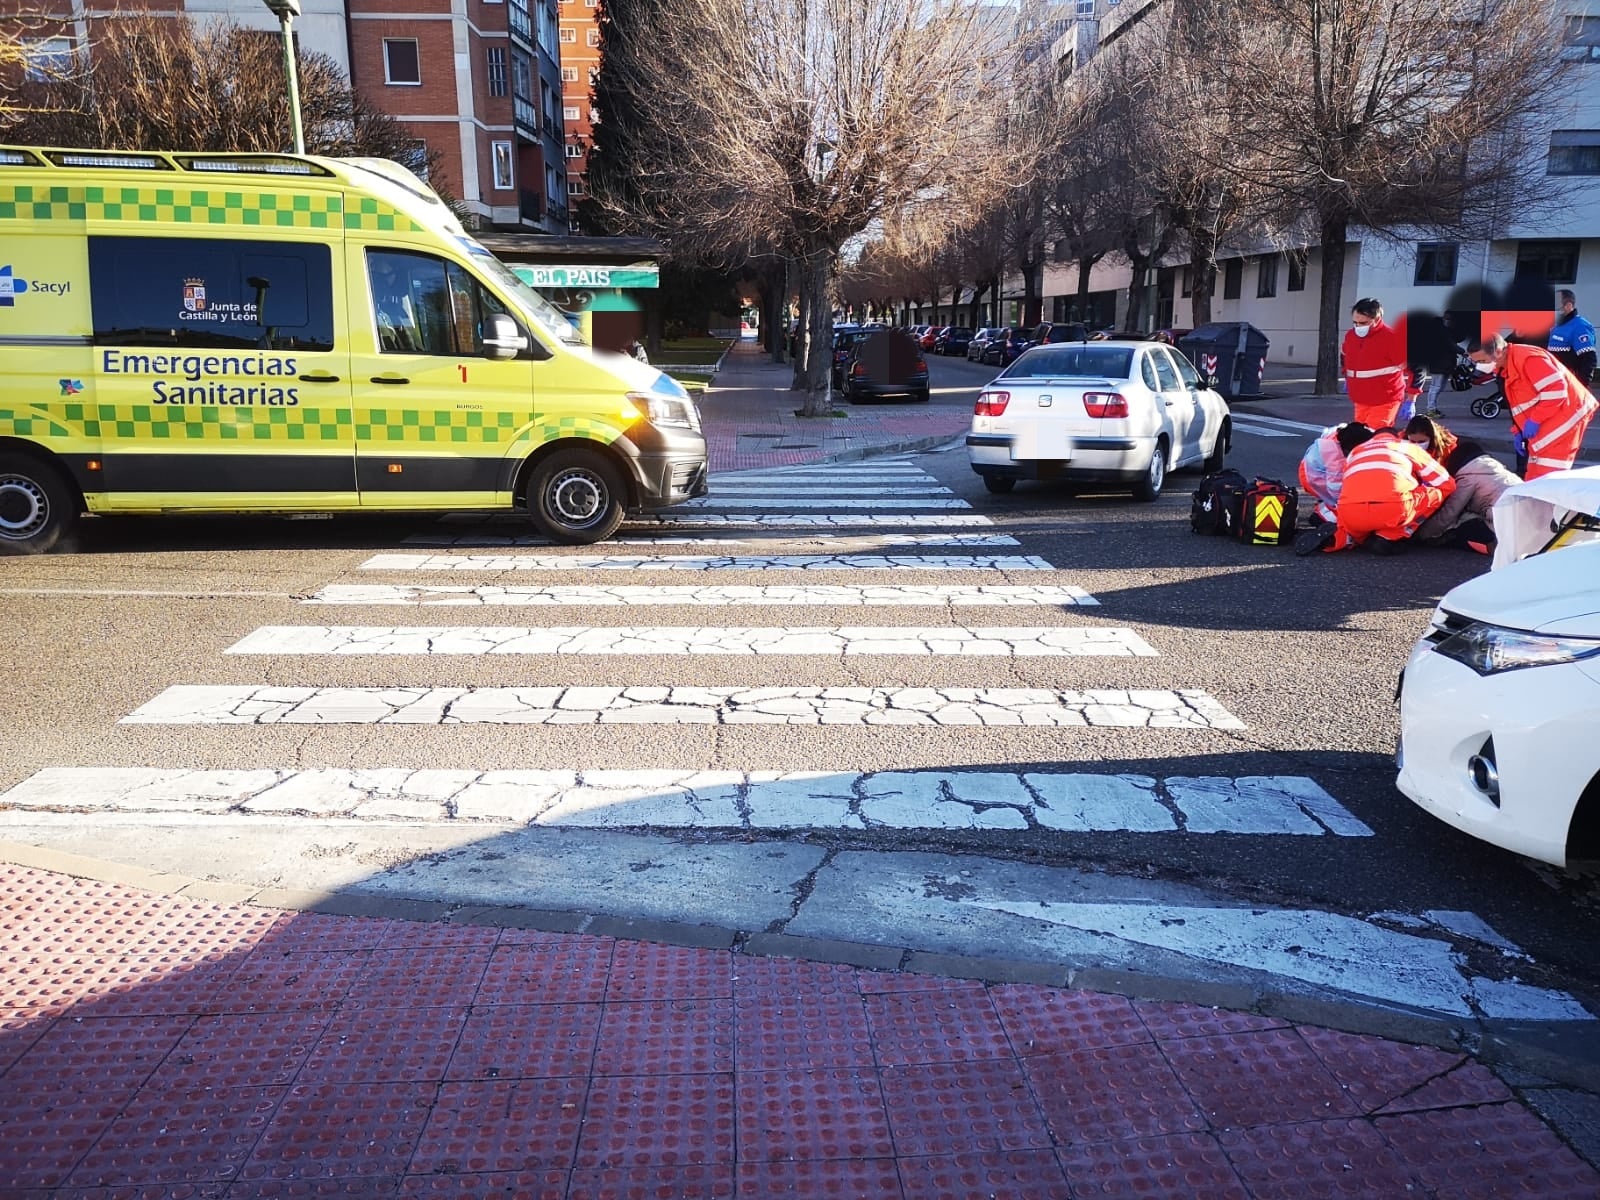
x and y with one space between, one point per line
12 286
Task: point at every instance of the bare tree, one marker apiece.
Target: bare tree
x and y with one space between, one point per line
802 123
1394 114
164 83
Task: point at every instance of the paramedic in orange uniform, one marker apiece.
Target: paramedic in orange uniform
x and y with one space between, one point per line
1549 404
1374 361
1390 487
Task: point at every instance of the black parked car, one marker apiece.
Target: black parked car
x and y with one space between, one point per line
980 342
1004 348
953 340
887 363
1058 331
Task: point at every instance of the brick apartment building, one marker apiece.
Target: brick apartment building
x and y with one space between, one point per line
479 81
580 59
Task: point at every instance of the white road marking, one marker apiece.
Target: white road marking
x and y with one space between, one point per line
249 705
792 501
488 540
814 520
850 641
1076 802
1278 422
1258 430
1321 948
696 562
823 489
837 595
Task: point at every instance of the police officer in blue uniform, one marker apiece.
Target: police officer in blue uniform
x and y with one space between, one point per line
1572 341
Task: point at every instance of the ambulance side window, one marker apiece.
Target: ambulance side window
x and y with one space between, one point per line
211 293
424 305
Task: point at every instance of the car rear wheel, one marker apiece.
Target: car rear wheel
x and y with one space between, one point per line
576 497
999 484
37 508
1155 475
1219 449
922 397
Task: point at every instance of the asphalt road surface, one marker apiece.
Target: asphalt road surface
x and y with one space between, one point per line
867 702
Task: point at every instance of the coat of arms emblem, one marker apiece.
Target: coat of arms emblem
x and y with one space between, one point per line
194 295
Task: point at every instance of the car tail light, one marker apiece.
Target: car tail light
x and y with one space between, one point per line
991 404
1105 404
922 364
859 369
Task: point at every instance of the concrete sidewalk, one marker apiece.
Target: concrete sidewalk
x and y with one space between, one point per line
157 1045
750 422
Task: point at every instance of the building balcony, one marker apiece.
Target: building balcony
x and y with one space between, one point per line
526 114
521 25
531 206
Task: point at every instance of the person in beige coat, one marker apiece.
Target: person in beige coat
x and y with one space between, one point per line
1465 518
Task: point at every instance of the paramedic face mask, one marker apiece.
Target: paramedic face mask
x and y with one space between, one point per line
1363 324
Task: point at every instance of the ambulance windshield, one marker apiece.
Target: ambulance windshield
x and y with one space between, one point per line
535 307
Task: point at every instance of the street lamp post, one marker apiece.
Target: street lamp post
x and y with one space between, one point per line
286 11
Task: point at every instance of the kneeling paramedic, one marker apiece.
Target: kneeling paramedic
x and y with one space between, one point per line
1390 488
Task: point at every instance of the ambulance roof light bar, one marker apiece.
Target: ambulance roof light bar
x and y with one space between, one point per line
17 158
111 160
264 164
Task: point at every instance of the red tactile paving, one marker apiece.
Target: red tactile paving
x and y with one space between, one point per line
673 1037
170 1137
1179 1167
155 1048
1020 1175
1489 1153
375 1045
526 1041
527 1125
935 1025
643 971
976 1107
658 1121
786 1115
1317 1160
797 1031
1046 1021
551 973
1258 1078
1111 1092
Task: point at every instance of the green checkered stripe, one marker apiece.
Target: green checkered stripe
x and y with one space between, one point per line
31 423
397 426
199 206
577 426
367 213
209 423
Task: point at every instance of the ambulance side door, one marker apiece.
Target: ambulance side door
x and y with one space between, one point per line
221 381
435 419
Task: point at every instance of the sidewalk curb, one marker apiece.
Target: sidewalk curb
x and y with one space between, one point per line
1557 1052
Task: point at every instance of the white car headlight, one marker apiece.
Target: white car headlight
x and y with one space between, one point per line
1489 649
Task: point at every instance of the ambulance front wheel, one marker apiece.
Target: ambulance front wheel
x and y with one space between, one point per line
576 497
37 507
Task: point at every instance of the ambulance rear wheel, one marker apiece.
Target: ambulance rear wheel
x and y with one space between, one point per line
576 497
37 508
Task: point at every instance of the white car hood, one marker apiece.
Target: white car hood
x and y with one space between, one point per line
637 376
1557 593
1523 514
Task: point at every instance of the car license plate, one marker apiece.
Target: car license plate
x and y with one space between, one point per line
1033 442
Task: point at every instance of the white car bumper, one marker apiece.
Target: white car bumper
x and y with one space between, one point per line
1543 722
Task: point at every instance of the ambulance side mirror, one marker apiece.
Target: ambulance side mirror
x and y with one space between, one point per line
501 338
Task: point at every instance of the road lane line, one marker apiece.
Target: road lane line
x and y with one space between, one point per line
698 562
761 596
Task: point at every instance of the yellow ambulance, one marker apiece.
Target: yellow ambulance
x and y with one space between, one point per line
279 333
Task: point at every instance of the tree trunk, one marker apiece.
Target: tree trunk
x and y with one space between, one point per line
1032 300
818 274
1330 315
1136 291
802 329
1202 265
976 320
1086 264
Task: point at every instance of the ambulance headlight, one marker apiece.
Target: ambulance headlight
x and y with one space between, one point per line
665 411
1490 649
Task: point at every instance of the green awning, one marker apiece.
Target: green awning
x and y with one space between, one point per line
629 275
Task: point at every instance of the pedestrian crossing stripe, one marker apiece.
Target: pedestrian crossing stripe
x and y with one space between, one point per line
727 596
1059 641
489 540
1060 801
704 562
247 704
792 500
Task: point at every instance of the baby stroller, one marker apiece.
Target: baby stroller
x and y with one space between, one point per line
1465 377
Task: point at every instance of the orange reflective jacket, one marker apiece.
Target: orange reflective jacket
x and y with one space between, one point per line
1386 468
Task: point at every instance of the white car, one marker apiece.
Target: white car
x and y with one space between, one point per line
1122 412
1500 700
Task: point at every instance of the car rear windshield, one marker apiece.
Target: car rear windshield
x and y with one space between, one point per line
1067 362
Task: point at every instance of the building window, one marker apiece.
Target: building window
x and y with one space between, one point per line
1297 270
574 187
591 3
504 173
1266 277
1232 278
569 74
1548 262
594 38
1436 264
569 35
47 58
521 75
1085 10
574 150
572 113
1574 152
1583 40
400 62
497 70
